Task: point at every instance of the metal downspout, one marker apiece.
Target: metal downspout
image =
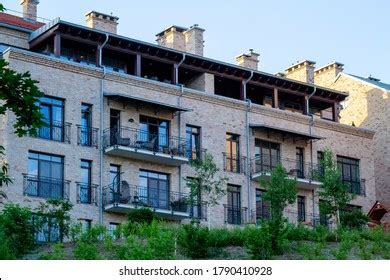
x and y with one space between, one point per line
248 173
179 117
311 142
100 48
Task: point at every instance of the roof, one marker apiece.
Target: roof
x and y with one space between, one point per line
372 81
139 101
19 21
377 211
285 131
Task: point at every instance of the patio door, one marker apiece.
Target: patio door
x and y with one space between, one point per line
154 189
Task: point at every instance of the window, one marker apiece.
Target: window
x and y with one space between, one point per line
232 155
46 229
112 227
262 207
85 194
86 125
192 142
155 132
45 176
52 110
196 203
267 155
234 204
324 217
86 224
301 208
320 158
349 169
300 163
154 189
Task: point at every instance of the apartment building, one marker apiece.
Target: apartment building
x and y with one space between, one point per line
125 117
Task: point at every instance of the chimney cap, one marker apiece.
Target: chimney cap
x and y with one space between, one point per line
171 27
330 65
251 53
102 15
32 1
299 64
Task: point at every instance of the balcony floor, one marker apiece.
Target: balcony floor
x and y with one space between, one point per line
145 155
302 183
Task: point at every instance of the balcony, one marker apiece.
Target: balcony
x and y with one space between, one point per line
234 163
44 187
122 198
355 185
55 131
87 136
87 193
142 145
305 173
235 215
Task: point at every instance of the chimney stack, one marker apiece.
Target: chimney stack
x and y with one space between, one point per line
249 60
30 9
103 22
326 75
183 39
302 71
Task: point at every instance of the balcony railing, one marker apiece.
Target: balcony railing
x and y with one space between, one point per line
87 136
235 215
45 187
87 193
195 155
56 131
355 185
138 196
234 163
263 164
143 140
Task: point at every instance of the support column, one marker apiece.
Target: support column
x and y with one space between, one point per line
57 45
242 91
175 75
335 113
138 65
306 105
276 99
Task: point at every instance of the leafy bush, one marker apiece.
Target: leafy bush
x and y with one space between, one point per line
6 252
348 239
299 232
226 237
16 228
311 251
193 238
86 251
354 219
57 254
258 242
142 215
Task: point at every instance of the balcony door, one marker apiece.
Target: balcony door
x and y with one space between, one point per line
262 206
234 205
267 155
349 169
300 162
86 125
154 133
52 110
232 153
115 124
154 189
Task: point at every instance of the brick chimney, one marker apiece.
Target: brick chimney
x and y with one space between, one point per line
326 75
103 22
183 39
302 71
30 9
249 60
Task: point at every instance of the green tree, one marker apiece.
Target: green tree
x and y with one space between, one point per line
334 195
18 94
206 182
280 191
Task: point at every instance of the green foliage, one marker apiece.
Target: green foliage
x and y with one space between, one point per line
258 241
57 254
51 214
226 237
333 194
15 226
2 8
298 232
75 231
193 238
142 215
86 251
204 181
311 251
348 239
353 219
6 252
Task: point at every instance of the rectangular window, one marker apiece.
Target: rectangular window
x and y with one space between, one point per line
267 155
86 224
112 227
52 110
262 206
86 125
192 142
232 153
85 195
234 211
300 163
350 174
301 201
154 189
154 134
45 176
320 167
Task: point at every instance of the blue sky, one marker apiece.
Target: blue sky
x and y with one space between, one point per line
356 33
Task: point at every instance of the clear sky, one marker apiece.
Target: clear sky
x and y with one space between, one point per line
353 32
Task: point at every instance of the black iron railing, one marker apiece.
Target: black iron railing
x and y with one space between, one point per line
45 187
195 154
235 215
56 131
87 136
265 164
234 163
144 140
355 185
87 193
138 196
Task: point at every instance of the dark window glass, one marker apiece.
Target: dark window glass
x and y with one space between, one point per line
262 206
301 208
234 205
86 125
300 162
155 132
267 155
192 142
154 189
320 158
52 110
350 175
196 202
232 155
85 183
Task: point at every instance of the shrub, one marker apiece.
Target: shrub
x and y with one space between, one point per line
6 252
57 254
142 215
86 251
258 242
193 238
15 223
354 219
75 232
311 251
226 237
299 232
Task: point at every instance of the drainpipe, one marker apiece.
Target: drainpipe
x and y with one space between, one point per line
179 103
248 175
311 141
100 49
